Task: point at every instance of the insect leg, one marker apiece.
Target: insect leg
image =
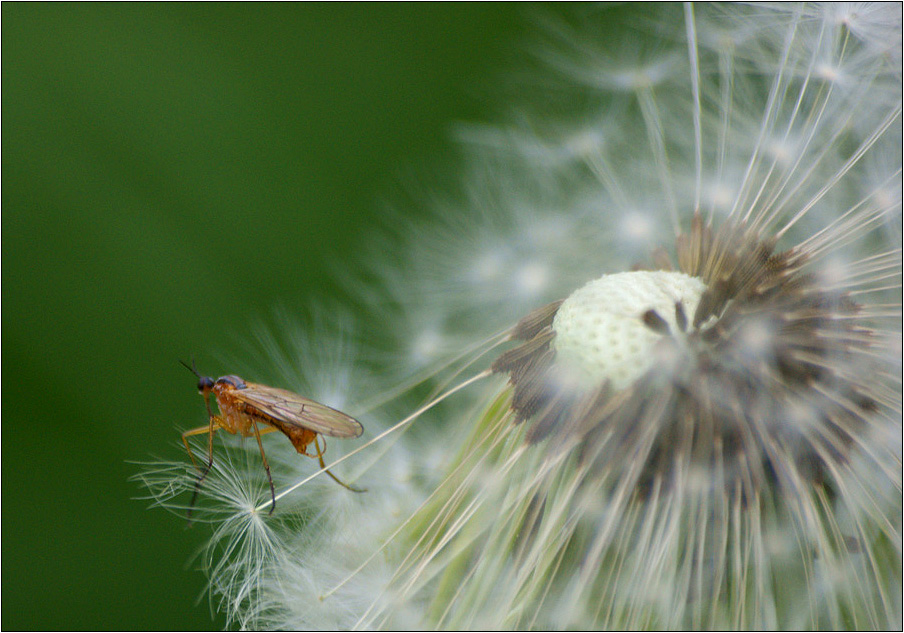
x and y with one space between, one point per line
189 433
212 426
260 444
326 470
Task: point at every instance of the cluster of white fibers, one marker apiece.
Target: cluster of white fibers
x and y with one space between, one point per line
675 270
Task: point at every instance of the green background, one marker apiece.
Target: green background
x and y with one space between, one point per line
171 173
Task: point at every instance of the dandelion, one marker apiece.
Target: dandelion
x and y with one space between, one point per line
658 335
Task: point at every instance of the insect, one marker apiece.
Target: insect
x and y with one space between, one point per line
252 409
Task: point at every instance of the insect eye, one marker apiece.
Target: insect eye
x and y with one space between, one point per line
205 384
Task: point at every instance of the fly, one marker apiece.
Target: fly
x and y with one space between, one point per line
249 408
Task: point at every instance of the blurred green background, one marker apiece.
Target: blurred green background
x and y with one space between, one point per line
171 173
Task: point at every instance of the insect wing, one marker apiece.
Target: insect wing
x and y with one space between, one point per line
291 408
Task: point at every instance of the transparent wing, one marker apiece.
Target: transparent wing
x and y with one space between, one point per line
291 408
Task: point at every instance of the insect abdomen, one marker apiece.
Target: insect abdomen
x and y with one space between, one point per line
298 435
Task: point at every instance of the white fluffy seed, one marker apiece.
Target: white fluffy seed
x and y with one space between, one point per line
600 332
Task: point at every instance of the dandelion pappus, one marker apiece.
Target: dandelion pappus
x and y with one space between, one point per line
249 408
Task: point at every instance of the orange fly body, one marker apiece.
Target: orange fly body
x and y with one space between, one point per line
249 408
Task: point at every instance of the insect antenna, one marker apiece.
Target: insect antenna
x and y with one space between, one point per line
202 380
191 367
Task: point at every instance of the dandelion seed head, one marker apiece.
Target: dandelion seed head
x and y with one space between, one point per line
720 196
531 278
834 271
828 72
427 345
876 24
638 227
584 144
782 150
710 442
488 267
739 440
640 79
756 338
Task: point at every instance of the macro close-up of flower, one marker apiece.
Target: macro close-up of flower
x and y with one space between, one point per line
638 367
